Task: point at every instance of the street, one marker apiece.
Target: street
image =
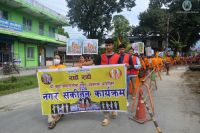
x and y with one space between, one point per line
177 110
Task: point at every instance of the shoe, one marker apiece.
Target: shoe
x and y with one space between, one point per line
51 125
114 115
105 122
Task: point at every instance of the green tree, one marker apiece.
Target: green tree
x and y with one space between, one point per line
176 44
155 4
182 27
187 24
139 30
62 32
153 20
94 16
121 28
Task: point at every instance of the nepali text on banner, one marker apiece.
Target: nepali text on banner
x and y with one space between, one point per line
86 89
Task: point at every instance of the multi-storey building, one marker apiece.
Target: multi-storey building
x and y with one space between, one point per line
28 32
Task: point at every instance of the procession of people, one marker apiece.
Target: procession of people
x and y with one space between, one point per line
138 65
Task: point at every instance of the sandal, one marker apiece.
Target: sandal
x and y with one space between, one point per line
51 125
58 117
105 122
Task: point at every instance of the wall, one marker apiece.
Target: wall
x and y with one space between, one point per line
50 51
16 15
32 62
20 50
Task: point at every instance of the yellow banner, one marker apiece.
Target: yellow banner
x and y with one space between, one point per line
91 88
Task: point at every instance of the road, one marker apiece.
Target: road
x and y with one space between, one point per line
177 110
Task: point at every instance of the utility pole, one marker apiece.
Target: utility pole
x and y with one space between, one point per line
167 32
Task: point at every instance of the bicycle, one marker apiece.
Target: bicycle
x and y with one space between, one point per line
10 68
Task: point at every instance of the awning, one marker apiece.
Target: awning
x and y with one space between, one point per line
30 35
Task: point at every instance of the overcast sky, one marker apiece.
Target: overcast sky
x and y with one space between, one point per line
61 7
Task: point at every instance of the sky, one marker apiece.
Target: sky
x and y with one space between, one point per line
60 6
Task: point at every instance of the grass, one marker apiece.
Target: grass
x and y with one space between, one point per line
16 84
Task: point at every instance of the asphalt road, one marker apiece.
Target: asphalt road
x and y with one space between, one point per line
177 110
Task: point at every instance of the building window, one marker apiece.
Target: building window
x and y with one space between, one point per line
41 28
27 24
4 14
52 32
30 52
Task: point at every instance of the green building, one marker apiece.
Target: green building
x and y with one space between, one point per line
28 33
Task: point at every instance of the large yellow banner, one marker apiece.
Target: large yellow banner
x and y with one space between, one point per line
91 88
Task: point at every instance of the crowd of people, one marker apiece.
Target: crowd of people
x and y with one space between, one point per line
187 60
137 67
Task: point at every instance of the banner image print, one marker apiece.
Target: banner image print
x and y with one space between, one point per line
74 47
90 46
141 47
71 90
138 47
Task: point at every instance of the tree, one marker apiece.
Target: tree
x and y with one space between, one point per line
121 28
173 22
153 20
177 45
187 24
155 4
139 31
94 16
62 32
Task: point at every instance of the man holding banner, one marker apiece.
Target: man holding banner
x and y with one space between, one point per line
79 89
109 57
54 118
